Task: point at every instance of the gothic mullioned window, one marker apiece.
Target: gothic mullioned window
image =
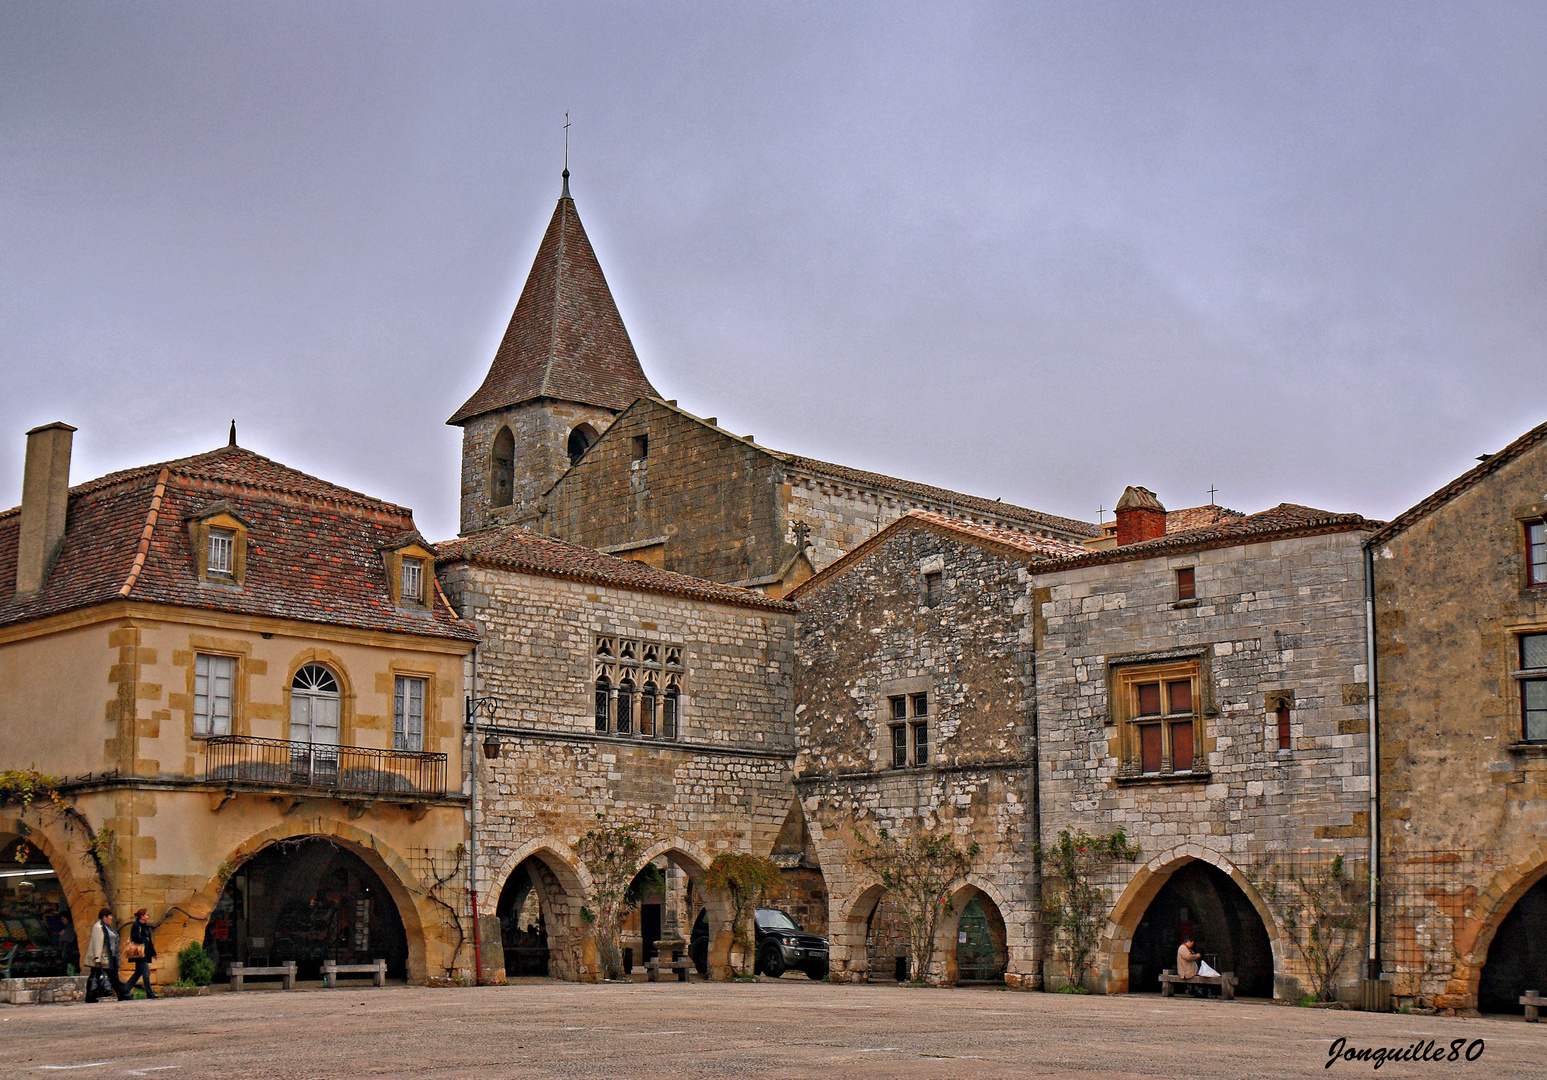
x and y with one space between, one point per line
638 687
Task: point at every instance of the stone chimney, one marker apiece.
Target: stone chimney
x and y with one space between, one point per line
1139 517
45 498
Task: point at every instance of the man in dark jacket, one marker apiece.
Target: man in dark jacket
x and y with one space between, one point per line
140 933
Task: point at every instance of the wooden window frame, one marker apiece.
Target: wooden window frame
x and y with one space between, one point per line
909 729
1186 583
934 588
204 530
402 730
1126 684
209 715
1525 678
1535 572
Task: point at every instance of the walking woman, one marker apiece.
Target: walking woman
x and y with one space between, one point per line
140 934
102 958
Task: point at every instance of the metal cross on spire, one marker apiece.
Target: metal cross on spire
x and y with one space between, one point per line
1212 490
565 193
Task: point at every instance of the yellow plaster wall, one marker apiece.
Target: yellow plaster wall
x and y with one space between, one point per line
59 693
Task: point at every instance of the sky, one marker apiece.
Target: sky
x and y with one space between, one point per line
1030 251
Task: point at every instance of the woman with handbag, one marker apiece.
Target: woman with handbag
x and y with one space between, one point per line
102 958
142 950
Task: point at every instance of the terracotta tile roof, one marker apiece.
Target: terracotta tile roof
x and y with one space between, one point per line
566 339
314 549
1281 522
1473 476
1196 517
1007 542
514 547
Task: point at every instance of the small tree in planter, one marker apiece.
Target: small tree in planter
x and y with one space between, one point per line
611 853
917 870
1075 909
746 879
1326 914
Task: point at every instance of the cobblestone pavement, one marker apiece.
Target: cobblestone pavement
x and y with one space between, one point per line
788 1028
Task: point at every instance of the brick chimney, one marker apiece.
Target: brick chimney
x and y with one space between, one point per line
1139 517
45 497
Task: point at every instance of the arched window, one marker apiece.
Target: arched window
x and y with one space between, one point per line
603 703
502 469
625 706
580 440
647 698
314 706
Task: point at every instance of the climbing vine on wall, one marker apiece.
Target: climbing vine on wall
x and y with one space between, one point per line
1074 908
917 871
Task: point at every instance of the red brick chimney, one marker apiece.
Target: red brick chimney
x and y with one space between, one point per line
1139 517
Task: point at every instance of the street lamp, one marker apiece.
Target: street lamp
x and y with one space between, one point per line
486 707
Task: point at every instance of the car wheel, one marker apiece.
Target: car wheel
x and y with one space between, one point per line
817 972
771 961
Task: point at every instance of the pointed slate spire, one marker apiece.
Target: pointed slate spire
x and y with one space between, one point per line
566 339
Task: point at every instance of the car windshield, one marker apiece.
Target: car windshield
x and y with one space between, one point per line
769 919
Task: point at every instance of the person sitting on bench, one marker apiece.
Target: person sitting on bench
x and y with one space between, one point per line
1187 962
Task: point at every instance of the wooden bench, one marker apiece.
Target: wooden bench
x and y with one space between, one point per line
1533 1003
1226 982
331 970
239 972
680 964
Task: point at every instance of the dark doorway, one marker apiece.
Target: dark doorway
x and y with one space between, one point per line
650 928
523 932
1517 959
306 900
37 937
1203 902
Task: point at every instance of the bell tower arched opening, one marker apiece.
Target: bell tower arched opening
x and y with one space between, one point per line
580 440
502 469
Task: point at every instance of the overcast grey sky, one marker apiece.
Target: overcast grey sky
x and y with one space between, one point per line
1034 250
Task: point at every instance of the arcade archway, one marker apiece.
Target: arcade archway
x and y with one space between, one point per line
307 900
1201 901
37 933
1517 955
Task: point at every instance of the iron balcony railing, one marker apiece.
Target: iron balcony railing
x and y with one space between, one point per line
354 770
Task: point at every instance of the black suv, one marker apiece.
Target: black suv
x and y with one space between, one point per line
781 945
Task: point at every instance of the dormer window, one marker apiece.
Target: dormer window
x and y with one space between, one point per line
222 552
409 564
413 581
219 541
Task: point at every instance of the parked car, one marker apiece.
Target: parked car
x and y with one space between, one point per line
781 945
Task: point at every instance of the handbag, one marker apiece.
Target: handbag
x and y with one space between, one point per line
97 984
133 951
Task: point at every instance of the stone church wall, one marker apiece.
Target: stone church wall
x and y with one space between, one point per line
866 636
1271 619
540 430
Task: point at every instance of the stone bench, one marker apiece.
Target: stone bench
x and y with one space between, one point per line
239 972
1533 1003
376 969
1226 982
680 964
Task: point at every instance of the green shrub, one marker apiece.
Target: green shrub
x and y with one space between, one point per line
195 966
1073 988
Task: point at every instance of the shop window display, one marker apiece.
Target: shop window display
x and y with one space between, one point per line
37 937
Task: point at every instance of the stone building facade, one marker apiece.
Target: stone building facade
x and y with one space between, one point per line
1204 692
250 692
679 492
1461 606
622 691
914 711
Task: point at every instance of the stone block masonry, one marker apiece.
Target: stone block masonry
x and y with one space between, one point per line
1274 624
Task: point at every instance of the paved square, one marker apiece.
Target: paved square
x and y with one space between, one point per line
788 1028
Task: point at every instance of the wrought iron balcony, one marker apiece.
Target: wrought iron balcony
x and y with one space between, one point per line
351 770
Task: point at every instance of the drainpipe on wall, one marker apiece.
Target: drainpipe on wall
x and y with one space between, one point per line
472 821
1372 961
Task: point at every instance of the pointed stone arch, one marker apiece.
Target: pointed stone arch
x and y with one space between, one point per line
1020 930
1484 917
563 885
1145 885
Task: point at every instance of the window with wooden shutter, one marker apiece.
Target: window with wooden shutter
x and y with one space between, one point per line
1161 728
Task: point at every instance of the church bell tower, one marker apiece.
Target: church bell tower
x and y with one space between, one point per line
564 370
